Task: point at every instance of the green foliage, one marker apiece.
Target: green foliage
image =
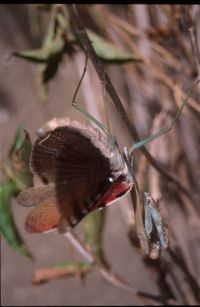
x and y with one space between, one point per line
49 56
7 225
59 40
108 51
73 265
16 168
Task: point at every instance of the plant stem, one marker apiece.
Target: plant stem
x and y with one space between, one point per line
100 69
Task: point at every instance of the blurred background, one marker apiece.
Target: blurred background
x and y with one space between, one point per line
152 56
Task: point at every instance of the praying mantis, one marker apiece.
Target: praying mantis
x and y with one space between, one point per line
83 170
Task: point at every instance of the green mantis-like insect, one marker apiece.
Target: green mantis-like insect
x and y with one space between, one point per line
83 170
151 225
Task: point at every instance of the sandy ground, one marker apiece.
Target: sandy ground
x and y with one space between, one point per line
20 104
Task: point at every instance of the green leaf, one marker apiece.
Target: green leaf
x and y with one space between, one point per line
18 140
49 56
108 51
37 55
19 177
73 265
53 43
49 69
43 54
7 225
17 166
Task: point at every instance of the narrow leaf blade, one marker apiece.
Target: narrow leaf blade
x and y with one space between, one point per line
107 51
7 225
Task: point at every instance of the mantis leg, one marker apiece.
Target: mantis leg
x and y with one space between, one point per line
111 138
82 110
164 130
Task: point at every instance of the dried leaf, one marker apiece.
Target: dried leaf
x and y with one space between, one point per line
64 269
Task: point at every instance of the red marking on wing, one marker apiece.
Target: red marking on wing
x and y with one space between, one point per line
115 192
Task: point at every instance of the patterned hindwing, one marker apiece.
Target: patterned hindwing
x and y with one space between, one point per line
82 174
